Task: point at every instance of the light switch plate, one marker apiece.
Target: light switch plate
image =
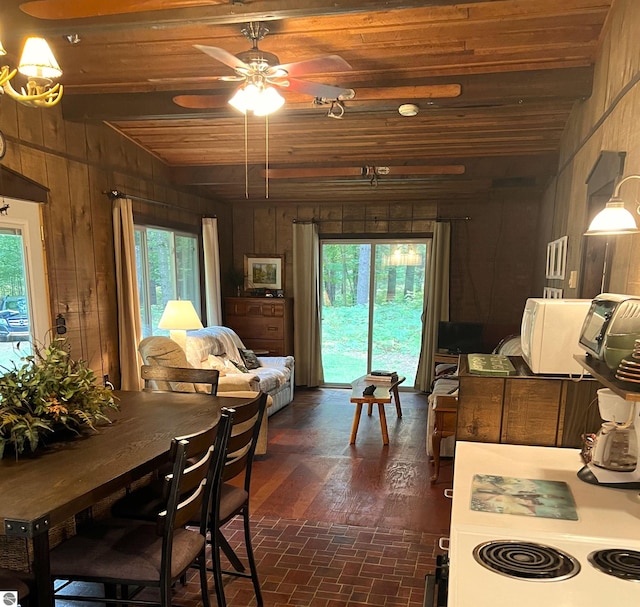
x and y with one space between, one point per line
573 279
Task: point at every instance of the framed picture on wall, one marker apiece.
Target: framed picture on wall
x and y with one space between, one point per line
552 293
557 258
263 272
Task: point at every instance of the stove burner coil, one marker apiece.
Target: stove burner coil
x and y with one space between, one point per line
623 564
525 560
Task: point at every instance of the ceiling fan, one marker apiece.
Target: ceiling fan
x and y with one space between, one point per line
260 71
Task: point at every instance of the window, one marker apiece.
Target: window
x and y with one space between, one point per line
167 267
24 303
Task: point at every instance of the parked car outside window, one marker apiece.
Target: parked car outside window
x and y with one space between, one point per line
14 318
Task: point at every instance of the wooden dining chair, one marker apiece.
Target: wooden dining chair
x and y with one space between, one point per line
127 555
180 379
233 500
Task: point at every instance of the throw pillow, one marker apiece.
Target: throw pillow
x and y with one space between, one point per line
217 363
249 358
230 368
240 367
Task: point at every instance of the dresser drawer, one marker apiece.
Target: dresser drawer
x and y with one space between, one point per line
257 327
257 308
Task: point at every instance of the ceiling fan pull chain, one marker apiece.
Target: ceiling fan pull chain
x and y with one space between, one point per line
246 158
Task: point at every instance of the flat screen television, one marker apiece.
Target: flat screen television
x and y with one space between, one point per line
460 337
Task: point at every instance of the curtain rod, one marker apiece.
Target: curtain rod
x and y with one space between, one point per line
314 220
113 194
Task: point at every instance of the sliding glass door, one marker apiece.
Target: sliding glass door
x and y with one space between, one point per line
373 299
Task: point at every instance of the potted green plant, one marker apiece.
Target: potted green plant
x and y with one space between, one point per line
49 394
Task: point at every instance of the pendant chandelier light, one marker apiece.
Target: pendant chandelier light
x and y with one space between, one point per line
40 67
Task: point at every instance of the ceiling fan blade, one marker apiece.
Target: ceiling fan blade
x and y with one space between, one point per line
328 63
219 54
316 89
201 102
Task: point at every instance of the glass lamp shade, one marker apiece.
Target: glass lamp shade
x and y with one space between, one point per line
268 101
2 51
37 60
179 315
613 219
261 101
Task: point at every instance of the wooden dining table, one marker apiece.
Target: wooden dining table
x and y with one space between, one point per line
40 491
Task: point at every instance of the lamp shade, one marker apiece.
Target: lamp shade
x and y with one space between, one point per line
258 99
179 315
37 60
2 51
613 219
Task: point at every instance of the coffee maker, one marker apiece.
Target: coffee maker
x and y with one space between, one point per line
614 453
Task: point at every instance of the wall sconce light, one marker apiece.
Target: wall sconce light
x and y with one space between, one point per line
179 316
614 218
40 67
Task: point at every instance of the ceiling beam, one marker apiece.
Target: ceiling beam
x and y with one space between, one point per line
483 89
56 17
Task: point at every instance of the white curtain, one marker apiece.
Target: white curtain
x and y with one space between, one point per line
212 271
437 303
129 323
306 305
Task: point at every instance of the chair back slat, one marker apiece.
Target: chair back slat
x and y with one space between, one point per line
198 464
179 379
244 436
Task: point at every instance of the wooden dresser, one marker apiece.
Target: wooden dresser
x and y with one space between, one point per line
263 323
525 409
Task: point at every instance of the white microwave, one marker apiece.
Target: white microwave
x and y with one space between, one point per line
550 334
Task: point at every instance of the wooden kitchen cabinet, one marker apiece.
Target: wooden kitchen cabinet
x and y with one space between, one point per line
525 409
263 323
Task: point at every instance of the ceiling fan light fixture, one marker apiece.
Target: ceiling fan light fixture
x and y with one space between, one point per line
258 99
268 101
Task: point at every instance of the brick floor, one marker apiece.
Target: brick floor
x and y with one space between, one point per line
303 563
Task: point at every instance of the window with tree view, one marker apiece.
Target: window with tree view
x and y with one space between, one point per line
373 300
168 268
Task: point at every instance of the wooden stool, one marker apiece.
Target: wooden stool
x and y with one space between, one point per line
446 417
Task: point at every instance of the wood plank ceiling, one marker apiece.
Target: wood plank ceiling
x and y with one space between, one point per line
510 72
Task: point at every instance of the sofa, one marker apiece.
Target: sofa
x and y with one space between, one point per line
220 348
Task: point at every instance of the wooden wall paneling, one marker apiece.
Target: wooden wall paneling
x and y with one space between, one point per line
8 117
243 230
330 220
54 132
353 218
33 164
30 125
102 219
60 248
481 418
531 412
265 230
581 415
77 138
284 242
377 219
82 226
400 218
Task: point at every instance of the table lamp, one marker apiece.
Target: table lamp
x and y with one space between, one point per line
179 316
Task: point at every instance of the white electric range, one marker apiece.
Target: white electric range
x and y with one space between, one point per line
606 519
